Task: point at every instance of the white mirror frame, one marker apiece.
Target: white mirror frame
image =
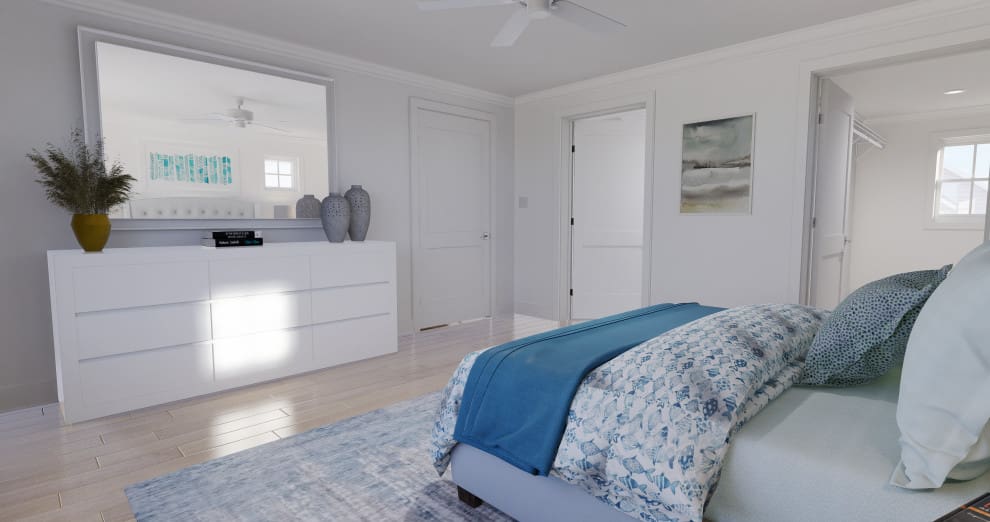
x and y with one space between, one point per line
88 37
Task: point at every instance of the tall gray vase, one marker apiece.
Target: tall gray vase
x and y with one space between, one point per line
335 213
308 207
360 202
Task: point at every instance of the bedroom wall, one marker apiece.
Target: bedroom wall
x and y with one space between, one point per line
718 260
891 229
40 101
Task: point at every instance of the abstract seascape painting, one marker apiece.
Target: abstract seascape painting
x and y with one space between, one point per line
717 166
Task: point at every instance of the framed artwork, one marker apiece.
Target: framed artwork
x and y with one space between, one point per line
717 166
176 168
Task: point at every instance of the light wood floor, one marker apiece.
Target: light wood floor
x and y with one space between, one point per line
53 471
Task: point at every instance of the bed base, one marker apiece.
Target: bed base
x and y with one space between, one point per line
520 495
468 498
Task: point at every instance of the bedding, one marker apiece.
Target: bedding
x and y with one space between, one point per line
944 409
868 332
647 431
540 375
825 454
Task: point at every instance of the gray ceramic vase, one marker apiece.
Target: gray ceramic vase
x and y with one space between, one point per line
335 212
308 207
360 202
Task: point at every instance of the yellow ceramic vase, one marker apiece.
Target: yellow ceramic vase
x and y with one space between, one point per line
92 231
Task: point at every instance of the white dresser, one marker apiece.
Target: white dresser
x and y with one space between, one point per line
135 327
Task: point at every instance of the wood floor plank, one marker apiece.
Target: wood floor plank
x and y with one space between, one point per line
53 471
118 513
86 511
177 429
26 508
60 483
29 470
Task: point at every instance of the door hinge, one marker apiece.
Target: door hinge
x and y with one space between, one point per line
573 148
814 222
572 222
572 292
821 118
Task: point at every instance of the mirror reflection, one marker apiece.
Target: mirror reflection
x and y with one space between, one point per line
207 141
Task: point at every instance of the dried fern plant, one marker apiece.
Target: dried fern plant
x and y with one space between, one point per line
78 180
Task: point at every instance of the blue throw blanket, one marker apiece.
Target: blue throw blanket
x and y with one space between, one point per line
517 396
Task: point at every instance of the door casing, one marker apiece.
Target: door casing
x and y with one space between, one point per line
566 119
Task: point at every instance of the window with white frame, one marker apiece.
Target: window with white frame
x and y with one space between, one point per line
962 179
281 173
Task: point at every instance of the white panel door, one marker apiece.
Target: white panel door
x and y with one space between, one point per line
831 210
608 168
451 177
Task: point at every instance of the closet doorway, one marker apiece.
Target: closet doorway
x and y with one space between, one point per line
902 169
608 198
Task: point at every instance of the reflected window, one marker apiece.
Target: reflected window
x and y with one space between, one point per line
280 173
962 179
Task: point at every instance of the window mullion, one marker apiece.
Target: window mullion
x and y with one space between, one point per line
939 172
972 180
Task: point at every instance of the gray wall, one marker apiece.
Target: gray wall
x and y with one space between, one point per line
40 102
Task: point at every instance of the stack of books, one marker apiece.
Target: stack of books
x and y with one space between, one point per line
232 238
974 511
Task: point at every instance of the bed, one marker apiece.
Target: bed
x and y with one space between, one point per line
810 454
833 449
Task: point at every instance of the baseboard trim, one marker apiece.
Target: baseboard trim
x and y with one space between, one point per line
15 397
534 310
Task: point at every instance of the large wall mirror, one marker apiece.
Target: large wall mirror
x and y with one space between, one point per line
213 141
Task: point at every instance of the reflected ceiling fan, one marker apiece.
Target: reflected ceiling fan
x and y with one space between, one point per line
530 10
237 117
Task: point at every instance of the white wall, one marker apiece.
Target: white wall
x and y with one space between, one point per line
718 260
40 101
891 212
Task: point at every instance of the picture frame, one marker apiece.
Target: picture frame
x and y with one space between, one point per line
717 158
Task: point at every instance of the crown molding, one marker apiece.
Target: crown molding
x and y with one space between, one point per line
120 10
941 114
920 10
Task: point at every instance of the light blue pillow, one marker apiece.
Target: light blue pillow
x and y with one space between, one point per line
868 332
942 410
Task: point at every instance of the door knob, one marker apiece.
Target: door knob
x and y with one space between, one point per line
484 235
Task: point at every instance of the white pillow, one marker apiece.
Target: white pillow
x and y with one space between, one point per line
944 405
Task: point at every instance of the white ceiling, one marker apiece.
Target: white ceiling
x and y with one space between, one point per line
919 86
181 91
453 45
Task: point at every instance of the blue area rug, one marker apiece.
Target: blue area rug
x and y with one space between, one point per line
372 467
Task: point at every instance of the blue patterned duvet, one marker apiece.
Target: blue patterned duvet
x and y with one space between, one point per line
647 431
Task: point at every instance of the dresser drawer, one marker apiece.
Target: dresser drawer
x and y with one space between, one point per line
110 287
164 374
347 302
352 269
258 357
354 339
261 313
114 332
242 277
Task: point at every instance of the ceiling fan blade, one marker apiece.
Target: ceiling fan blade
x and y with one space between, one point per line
586 18
220 116
256 124
512 29
440 5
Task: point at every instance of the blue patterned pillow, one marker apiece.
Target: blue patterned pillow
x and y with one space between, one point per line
868 332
